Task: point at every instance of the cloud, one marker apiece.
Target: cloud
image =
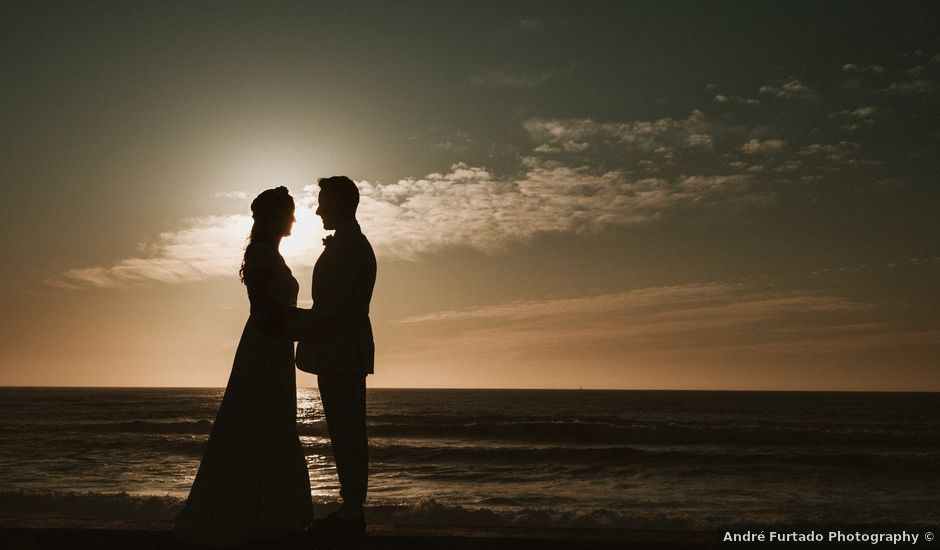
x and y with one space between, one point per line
458 142
790 89
865 114
862 69
565 147
205 248
503 79
842 152
661 135
701 141
763 147
706 318
468 206
580 176
734 99
913 87
739 303
231 195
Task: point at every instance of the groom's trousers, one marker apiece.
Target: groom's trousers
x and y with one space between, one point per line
344 405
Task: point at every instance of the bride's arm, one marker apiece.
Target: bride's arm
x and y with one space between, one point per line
257 271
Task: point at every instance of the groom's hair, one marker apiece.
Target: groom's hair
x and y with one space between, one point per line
343 189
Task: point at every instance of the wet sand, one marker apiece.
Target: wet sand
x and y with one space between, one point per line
379 537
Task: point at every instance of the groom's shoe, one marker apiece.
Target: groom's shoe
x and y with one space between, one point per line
334 525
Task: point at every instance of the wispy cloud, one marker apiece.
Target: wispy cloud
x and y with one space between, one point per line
709 318
866 114
863 69
756 146
207 247
654 136
468 206
791 89
737 302
456 142
843 152
513 80
231 195
580 176
911 87
720 98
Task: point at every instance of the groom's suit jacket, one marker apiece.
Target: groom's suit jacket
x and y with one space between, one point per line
338 335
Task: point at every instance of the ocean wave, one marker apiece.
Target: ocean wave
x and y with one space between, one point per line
112 506
91 506
429 454
610 458
88 505
144 426
569 459
432 512
660 434
540 430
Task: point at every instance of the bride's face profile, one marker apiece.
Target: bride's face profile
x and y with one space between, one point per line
286 223
273 214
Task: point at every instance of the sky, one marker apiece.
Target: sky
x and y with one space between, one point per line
622 195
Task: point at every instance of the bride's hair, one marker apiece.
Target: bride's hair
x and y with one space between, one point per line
268 210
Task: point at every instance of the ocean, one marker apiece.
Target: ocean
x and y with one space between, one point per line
535 458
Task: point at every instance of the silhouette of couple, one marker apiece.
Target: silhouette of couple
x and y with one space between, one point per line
253 482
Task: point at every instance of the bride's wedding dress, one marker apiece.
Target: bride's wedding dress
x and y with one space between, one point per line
253 482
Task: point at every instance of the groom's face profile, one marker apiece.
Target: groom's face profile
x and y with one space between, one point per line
329 210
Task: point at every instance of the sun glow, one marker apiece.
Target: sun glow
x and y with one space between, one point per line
302 246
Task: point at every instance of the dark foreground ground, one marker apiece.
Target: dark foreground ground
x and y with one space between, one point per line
380 537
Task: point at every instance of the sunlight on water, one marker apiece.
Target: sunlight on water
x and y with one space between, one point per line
309 406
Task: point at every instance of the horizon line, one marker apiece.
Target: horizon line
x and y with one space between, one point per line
488 389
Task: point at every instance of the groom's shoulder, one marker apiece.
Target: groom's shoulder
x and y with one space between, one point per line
364 241
361 247
358 245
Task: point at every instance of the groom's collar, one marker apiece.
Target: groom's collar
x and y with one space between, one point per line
348 228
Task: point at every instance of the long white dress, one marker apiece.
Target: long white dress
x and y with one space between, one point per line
253 482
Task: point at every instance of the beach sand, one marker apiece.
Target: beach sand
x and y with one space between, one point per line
30 535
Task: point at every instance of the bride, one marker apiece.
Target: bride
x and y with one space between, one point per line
253 482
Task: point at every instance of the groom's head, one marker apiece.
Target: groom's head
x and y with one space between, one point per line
337 201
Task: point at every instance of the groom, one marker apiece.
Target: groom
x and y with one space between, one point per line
335 343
